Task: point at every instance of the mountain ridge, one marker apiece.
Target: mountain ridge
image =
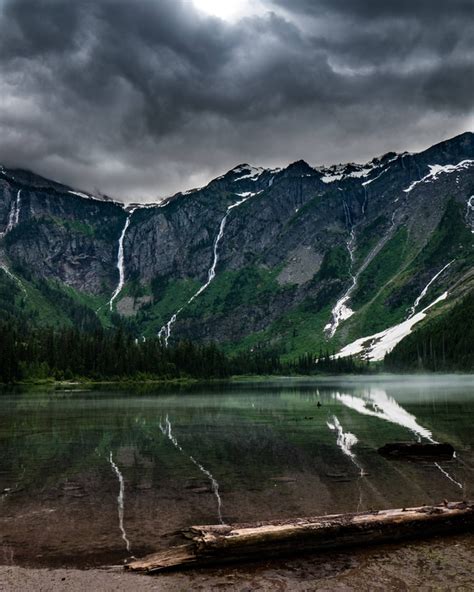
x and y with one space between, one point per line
285 247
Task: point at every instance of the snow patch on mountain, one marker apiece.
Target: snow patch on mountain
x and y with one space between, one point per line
437 169
251 173
375 347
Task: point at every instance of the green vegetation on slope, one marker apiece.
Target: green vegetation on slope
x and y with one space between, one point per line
169 297
383 267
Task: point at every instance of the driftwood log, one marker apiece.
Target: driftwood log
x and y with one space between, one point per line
222 544
417 451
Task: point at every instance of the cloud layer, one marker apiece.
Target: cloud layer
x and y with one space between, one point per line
141 99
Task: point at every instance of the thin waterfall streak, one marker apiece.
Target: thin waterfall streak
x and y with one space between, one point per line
341 310
470 213
448 476
426 288
14 215
120 501
366 200
166 430
165 331
120 261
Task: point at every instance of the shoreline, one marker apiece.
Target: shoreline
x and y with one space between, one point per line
86 383
443 562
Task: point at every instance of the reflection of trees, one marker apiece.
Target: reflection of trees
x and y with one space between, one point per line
49 437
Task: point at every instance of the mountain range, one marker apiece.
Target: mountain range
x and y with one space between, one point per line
346 258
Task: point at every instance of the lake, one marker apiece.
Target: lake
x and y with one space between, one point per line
93 477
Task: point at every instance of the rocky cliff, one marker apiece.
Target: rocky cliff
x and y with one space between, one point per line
291 260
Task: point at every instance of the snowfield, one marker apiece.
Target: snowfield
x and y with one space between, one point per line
375 347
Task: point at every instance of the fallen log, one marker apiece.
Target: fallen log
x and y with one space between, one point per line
417 451
222 544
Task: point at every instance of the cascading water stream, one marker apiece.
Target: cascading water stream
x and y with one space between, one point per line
341 311
165 331
14 215
120 261
167 431
470 213
426 288
120 501
13 220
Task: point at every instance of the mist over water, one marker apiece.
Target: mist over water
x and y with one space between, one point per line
265 448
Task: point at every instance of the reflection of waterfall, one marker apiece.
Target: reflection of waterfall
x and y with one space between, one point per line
120 501
446 474
166 431
165 331
345 441
120 261
376 403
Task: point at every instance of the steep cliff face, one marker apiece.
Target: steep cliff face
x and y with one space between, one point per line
291 260
58 233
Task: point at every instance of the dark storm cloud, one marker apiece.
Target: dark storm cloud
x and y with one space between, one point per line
147 97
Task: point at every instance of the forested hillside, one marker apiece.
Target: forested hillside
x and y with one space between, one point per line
445 343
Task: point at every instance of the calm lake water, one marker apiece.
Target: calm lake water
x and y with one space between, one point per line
94 477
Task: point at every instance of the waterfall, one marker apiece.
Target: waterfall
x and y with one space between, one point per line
366 197
470 213
341 311
167 431
165 331
426 288
120 501
120 260
14 216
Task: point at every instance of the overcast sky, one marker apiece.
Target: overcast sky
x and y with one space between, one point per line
143 98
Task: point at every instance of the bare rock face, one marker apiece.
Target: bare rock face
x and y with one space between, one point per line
302 265
281 247
129 306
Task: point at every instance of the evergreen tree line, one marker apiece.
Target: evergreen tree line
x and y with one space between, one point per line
445 344
28 353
